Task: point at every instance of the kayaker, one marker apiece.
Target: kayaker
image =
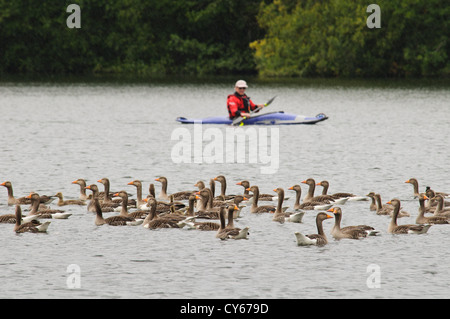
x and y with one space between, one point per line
239 104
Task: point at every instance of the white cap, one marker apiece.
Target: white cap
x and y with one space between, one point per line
241 84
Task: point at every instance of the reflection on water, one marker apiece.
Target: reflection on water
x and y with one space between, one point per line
379 134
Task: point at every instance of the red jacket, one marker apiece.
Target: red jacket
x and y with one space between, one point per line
239 103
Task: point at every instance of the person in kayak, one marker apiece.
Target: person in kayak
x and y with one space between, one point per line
239 104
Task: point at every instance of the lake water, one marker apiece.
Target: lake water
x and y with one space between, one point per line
378 135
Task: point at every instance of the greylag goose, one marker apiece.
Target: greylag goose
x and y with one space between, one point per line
440 210
139 214
95 194
341 195
62 202
352 232
207 226
259 209
421 219
118 220
140 203
415 184
47 213
32 227
325 199
107 193
431 193
153 221
261 197
308 205
388 209
223 187
82 183
393 228
279 215
318 239
183 195
230 233
11 199
373 203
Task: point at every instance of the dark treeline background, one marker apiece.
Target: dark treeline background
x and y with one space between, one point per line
218 37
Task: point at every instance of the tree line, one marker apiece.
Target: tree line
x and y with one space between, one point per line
276 38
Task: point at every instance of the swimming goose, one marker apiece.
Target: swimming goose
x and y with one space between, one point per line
223 187
32 227
62 202
11 199
140 203
279 215
393 228
388 209
183 195
224 233
82 184
440 210
318 239
153 221
308 205
259 209
118 220
326 185
431 193
421 219
352 232
47 213
373 204
261 197
207 226
139 214
95 194
107 193
325 199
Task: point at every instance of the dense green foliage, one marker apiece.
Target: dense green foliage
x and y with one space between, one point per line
198 37
331 38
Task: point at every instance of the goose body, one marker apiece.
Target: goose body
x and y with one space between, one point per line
46 213
31 227
229 233
259 209
440 210
105 207
421 219
279 215
318 239
324 199
183 195
153 221
388 209
352 232
62 202
404 229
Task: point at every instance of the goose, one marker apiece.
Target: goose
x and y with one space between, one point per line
352 232
223 187
373 203
32 227
318 239
350 196
324 199
11 218
234 233
62 202
105 207
183 195
118 220
47 213
207 226
421 219
308 205
279 215
393 228
259 209
388 209
139 214
415 184
262 197
82 183
431 193
107 193
153 221
11 199
140 203
440 210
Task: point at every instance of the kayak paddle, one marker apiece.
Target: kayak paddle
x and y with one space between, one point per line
240 120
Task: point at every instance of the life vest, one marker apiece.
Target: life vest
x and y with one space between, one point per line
239 103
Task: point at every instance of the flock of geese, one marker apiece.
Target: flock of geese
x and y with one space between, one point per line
201 209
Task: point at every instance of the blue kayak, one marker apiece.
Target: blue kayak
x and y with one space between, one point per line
271 118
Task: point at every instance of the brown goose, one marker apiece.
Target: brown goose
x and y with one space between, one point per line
11 199
153 221
431 193
62 202
421 219
352 232
183 195
308 205
318 239
440 210
262 197
140 203
388 209
326 185
107 193
223 187
95 195
373 203
46 213
230 233
393 228
279 215
325 199
32 227
206 226
139 214
82 183
259 209
415 184
118 220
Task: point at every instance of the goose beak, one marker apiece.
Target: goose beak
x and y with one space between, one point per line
331 210
238 183
319 184
304 182
329 216
130 183
157 179
248 189
275 189
408 181
99 181
116 194
291 188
